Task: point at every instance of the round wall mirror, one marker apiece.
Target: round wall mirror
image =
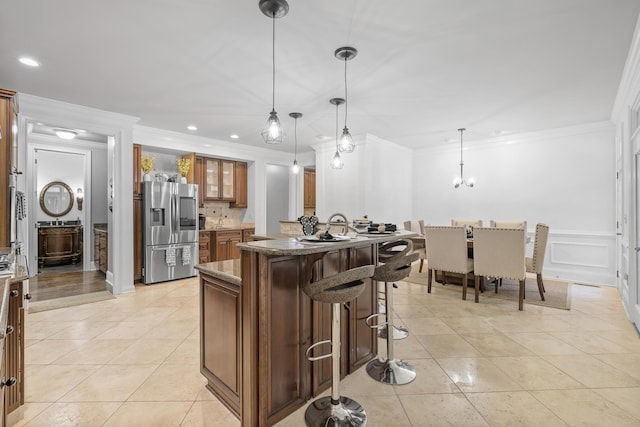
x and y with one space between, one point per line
56 199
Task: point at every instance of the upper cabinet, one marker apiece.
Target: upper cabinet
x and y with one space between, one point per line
219 179
240 186
309 188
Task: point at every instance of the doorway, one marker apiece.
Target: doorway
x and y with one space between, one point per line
61 237
277 197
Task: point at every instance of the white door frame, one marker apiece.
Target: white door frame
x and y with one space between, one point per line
32 182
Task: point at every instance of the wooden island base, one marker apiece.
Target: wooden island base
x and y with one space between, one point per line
256 324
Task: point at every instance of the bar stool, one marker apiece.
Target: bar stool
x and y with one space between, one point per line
396 266
385 253
336 290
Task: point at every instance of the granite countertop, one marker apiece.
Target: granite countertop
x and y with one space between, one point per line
100 227
228 228
228 270
293 246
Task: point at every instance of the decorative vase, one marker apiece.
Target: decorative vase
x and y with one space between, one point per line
146 177
183 180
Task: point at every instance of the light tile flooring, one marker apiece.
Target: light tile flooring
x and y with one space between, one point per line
133 361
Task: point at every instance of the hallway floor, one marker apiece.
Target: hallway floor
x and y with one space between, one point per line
134 361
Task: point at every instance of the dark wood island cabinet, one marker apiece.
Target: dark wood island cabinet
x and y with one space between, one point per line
256 325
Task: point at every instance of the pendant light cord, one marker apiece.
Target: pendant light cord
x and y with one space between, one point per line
461 162
346 98
337 105
273 63
295 133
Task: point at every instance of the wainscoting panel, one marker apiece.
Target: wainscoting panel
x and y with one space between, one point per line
580 256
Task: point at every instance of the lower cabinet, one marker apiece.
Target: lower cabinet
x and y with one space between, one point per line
12 366
224 244
220 360
204 247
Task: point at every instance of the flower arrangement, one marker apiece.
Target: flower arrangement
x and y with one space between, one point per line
146 163
183 166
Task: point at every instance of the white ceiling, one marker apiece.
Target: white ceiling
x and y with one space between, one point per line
424 68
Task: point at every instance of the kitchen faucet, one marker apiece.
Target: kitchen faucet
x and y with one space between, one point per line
345 226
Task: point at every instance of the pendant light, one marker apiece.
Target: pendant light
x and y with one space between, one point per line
337 162
272 133
459 180
295 168
346 53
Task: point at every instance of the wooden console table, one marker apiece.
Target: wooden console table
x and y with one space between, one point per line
59 243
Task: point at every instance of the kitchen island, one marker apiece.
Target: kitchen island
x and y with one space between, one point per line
256 323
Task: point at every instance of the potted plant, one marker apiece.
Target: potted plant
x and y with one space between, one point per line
146 163
183 168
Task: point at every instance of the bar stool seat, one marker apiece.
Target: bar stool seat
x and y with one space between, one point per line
396 266
336 410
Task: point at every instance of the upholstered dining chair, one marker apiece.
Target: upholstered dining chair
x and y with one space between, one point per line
534 264
499 253
509 224
447 252
419 246
466 223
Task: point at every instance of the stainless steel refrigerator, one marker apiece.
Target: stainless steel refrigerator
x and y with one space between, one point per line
170 231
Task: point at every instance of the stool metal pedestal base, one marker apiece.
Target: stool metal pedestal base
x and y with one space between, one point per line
324 413
399 332
392 371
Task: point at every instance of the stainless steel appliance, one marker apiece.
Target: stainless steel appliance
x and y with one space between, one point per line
170 231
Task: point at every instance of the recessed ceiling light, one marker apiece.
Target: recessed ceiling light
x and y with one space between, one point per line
192 127
234 136
29 61
65 133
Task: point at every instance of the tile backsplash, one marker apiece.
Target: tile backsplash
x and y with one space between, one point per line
219 213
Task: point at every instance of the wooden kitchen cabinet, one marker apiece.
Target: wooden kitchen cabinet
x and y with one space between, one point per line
224 244
240 186
7 120
11 347
247 234
219 178
309 188
204 247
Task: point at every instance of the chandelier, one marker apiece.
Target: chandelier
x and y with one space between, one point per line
459 180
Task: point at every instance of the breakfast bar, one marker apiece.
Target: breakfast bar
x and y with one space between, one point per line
256 323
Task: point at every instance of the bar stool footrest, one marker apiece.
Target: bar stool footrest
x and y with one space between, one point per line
312 346
399 332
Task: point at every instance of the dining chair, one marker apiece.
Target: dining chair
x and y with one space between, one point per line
499 253
534 264
466 223
419 245
447 252
509 224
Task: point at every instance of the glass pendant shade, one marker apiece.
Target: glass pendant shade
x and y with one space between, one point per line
272 133
346 144
295 169
337 162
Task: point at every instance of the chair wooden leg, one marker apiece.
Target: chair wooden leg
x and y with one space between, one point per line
540 286
421 264
540 282
477 287
429 274
521 299
464 287
497 282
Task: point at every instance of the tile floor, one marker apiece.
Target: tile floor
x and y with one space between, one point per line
133 361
